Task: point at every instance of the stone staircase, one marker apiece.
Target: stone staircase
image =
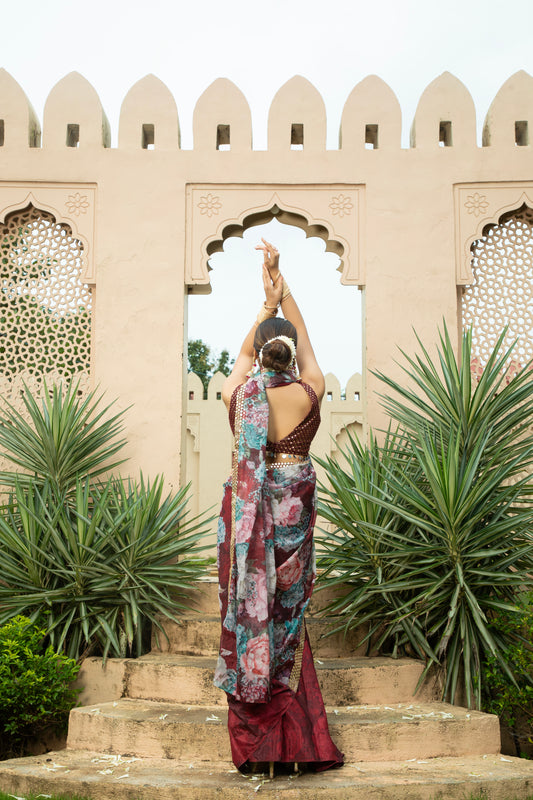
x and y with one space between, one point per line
155 727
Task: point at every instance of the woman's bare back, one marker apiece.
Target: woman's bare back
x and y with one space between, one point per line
289 405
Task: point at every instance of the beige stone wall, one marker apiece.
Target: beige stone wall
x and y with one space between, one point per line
402 220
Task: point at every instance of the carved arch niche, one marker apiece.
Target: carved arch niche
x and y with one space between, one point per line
72 204
332 212
479 206
495 224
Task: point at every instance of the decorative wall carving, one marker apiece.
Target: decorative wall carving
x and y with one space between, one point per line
73 204
478 205
334 213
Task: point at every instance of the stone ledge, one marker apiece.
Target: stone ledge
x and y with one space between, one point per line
150 729
199 634
103 777
189 679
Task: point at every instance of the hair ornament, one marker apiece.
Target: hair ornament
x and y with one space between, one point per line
286 340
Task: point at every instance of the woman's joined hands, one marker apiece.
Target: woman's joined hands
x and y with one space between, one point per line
270 258
273 288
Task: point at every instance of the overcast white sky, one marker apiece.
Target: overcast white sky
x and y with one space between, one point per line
333 43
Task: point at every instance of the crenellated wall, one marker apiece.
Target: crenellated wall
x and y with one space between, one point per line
149 214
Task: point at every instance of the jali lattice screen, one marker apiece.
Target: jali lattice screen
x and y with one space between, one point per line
45 308
502 293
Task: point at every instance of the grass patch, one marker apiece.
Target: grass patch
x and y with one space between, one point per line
484 797
4 796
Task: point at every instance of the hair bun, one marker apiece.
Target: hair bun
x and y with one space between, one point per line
276 355
275 344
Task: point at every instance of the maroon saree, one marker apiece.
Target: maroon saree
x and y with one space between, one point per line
266 572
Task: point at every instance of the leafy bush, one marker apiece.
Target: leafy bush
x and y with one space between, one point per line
59 439
96 561
97 565
433 530
35 686
513 702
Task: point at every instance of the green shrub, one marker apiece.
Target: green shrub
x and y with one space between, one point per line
97 565
59 438
35 686
94 561
433 530
513 702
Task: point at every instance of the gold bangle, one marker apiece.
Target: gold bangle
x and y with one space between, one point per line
264 313
285 292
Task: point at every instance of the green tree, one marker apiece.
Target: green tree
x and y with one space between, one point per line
204 362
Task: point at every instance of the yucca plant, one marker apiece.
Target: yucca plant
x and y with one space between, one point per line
359 552
59 437
93 560
96 565
458 542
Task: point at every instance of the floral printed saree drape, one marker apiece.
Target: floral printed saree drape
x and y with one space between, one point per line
266 576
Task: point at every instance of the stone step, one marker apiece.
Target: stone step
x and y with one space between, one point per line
204 599
199 634
189 679
148 729
105 777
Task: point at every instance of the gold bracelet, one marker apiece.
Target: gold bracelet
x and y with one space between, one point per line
264 313
285 292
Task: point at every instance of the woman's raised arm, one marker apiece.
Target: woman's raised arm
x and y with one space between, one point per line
245 359
310 372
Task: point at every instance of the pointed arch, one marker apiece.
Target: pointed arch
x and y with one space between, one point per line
274 209
39 199
333 213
